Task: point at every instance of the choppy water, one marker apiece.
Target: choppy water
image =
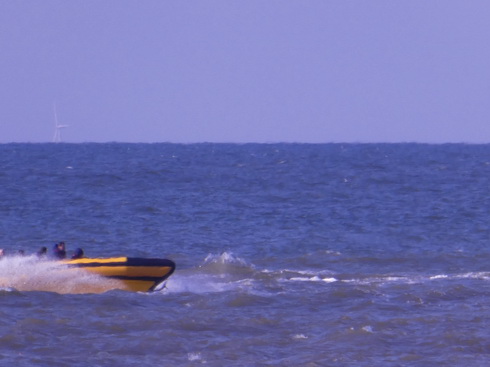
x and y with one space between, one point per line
287 254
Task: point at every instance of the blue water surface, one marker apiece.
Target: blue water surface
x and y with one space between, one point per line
287 254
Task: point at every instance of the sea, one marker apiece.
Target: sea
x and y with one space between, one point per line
287 254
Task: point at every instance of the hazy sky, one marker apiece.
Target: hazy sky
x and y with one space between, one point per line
245 71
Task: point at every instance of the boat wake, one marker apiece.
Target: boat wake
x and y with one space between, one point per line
218 273
227 272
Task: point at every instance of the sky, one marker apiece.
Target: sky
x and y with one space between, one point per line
311 71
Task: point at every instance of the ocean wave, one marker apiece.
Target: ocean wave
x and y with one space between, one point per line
368 280
225 258
227 266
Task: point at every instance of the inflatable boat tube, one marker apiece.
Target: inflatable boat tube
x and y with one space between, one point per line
135 274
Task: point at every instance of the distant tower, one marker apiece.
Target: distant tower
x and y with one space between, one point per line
57 127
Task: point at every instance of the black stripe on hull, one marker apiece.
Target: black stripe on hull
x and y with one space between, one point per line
155 280
142 279
165 266
132 261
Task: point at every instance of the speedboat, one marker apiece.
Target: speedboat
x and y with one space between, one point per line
132 273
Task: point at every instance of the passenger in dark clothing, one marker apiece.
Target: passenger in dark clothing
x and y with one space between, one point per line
78 254
59 251
42 252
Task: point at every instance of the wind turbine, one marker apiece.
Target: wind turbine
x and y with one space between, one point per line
57 127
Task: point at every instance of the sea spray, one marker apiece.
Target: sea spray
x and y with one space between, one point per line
217 273
33 274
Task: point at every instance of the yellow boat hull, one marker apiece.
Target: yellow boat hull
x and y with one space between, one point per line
134 274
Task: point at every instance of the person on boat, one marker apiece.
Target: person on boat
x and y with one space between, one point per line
59 251
43 251
78 254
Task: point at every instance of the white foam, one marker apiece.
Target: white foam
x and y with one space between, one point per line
367 329
195 356
442 276
299 336
224 258
203 283
305 279
31 274
476 275
315 278
218 273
